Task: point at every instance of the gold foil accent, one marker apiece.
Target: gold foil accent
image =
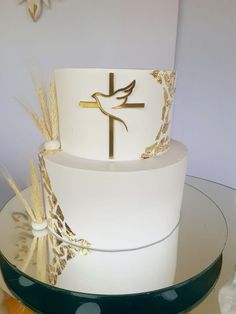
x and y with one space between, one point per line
68 230
88 104
168 77
62 253
56 220
120 95
59 213
111 137
162 141
130 106
111 84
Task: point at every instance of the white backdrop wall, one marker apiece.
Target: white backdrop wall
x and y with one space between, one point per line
110 33
73 33
205 107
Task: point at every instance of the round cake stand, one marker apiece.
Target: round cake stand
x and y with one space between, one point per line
173 276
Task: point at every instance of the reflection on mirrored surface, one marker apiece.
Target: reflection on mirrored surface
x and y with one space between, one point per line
227 296
9 305
52 261
178 258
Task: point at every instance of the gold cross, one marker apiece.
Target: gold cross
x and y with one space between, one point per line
124 105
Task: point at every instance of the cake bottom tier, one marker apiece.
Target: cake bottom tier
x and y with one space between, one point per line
115 205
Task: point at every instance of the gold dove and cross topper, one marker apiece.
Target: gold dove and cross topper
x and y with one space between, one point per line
120 98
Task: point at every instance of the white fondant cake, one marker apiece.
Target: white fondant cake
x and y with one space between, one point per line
42 257
127 272
132 99
117 181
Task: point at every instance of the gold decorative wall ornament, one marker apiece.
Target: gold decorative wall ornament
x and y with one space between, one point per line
34 7
162 141
118 100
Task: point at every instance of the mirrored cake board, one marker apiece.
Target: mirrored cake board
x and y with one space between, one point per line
172 276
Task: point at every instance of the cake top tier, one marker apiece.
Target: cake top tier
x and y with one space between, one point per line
114 114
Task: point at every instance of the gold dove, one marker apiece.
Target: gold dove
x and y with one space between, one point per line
119 96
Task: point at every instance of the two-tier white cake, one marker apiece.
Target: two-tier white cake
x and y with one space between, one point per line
117 180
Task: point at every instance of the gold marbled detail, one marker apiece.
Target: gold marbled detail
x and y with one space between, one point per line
166 77
162 141
57 221
62 253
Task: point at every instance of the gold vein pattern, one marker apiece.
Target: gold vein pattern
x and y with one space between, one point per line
162 141
62 253
56 220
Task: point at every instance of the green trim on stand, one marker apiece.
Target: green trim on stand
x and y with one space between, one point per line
46 299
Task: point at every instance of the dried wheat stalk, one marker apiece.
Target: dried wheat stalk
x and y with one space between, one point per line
36 195
20 196
41 126
53 110
44 109
30 254
41 254
36 209
48 124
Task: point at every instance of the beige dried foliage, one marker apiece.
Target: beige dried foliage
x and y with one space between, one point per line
44 109
35 206
30 254
53 110
41 126
41 254
48 124
36 195
22 199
